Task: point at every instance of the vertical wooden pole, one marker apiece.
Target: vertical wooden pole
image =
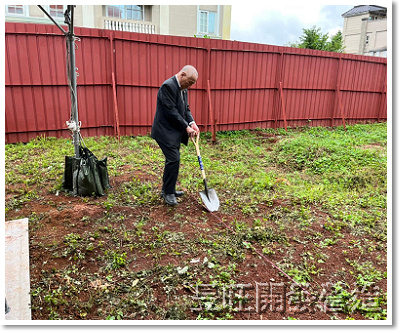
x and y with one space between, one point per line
115 107
280 92
116 112
208 120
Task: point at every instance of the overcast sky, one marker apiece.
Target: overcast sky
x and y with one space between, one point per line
280 22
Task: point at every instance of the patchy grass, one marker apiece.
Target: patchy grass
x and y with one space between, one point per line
301 232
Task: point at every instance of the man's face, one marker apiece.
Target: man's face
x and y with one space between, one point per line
187 81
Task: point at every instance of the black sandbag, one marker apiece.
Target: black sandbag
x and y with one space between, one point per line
85 179
103 172
75 171
86 175
67 183
94 169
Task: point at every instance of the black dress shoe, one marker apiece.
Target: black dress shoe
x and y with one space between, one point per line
170 199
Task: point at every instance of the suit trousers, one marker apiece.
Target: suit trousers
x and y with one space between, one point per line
171 167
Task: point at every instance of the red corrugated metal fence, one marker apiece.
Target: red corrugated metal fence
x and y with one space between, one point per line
251 85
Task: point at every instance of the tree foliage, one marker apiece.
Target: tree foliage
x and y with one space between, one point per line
314 39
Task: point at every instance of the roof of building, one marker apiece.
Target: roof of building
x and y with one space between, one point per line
359 10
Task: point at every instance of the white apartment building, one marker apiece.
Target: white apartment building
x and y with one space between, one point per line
365 31
213 21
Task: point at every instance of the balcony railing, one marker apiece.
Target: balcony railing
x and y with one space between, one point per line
112 24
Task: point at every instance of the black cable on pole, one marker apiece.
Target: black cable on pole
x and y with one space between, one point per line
73 124
74 120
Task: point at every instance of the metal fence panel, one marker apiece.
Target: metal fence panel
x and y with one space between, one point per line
251 85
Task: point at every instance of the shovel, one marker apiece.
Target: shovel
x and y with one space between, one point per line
209 196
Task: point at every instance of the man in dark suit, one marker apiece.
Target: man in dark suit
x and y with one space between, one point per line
173 124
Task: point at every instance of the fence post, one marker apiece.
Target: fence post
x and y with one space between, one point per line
383 102
280 90
283 106
114 88
276 96
207 119
384 96
337 93
335 89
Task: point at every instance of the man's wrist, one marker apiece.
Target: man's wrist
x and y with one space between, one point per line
191 123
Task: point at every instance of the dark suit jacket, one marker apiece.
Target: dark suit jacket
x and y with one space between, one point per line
172 114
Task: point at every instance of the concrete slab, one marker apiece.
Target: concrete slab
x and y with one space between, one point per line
17 270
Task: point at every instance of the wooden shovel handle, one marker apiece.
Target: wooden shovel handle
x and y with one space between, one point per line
196 144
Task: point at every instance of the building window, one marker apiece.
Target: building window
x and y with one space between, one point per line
56 10
382 53
134 13
17 10
127 12
207 22
114 11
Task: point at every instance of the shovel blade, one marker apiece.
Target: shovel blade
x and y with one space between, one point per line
211 201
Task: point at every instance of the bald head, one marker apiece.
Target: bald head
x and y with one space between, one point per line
190 71
187 76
